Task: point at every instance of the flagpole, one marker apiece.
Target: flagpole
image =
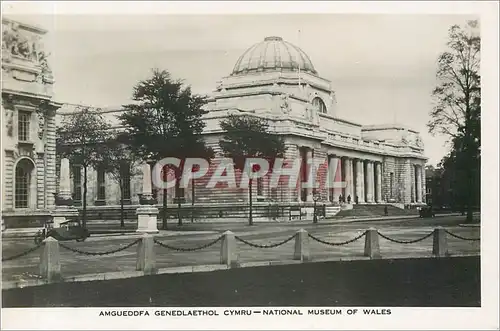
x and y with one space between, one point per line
395 113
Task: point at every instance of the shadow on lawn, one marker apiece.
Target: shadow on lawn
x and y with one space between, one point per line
428 282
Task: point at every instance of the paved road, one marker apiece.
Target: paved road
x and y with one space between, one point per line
264 234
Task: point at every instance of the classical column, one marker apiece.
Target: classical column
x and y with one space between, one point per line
359 181
419 183
336 175
378 189
369 181
424 191
146 181
299 179
310 176
64 203
331 177
348 179
64 180
413 184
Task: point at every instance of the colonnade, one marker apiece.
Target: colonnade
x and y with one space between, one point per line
362 180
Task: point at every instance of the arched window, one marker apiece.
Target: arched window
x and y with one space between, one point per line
24 168
319 104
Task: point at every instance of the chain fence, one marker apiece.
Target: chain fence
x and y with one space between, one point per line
460 237
405 241
192 249
32 249
74 250
246 242
339 243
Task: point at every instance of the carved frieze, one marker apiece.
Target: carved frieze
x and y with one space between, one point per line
419 142
9 121
311 114
42 112
41 124
26 46
284 103
8 109
25 149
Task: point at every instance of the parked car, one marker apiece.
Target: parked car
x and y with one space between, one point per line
69 230
426 211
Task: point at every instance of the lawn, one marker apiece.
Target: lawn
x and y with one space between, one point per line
427 282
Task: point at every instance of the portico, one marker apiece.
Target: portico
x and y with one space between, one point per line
358 180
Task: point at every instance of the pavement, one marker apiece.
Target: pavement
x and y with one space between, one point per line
110 228
73 265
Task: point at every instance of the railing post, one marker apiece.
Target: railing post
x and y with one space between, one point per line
372 247
228 254
50 264
439 245
301 245
146 260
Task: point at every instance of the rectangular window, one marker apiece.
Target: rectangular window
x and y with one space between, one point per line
23 126
391 185
77 183
125 176
101 184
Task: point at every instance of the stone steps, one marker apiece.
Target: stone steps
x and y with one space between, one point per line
375 210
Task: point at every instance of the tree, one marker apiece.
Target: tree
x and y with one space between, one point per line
118 161
166 121
457 104
249 137
81 139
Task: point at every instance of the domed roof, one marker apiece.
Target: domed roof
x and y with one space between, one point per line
273 54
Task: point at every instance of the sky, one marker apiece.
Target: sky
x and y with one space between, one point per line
382 67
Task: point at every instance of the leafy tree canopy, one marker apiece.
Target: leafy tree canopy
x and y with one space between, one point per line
165 120
249 136
81 136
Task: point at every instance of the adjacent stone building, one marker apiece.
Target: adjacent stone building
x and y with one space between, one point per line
28 130
276 80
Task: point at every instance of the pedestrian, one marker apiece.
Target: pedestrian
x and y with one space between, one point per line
349 199
357 199
340 199
386 210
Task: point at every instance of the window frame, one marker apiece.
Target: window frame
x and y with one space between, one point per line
23 127
26 188
101 184
321 106
77 184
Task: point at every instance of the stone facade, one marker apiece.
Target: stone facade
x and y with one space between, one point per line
378 164
28 135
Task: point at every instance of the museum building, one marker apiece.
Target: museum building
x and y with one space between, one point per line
273 79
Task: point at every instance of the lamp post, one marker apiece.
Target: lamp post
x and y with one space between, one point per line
316 198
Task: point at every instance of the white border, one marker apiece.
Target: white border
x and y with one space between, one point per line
414 318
